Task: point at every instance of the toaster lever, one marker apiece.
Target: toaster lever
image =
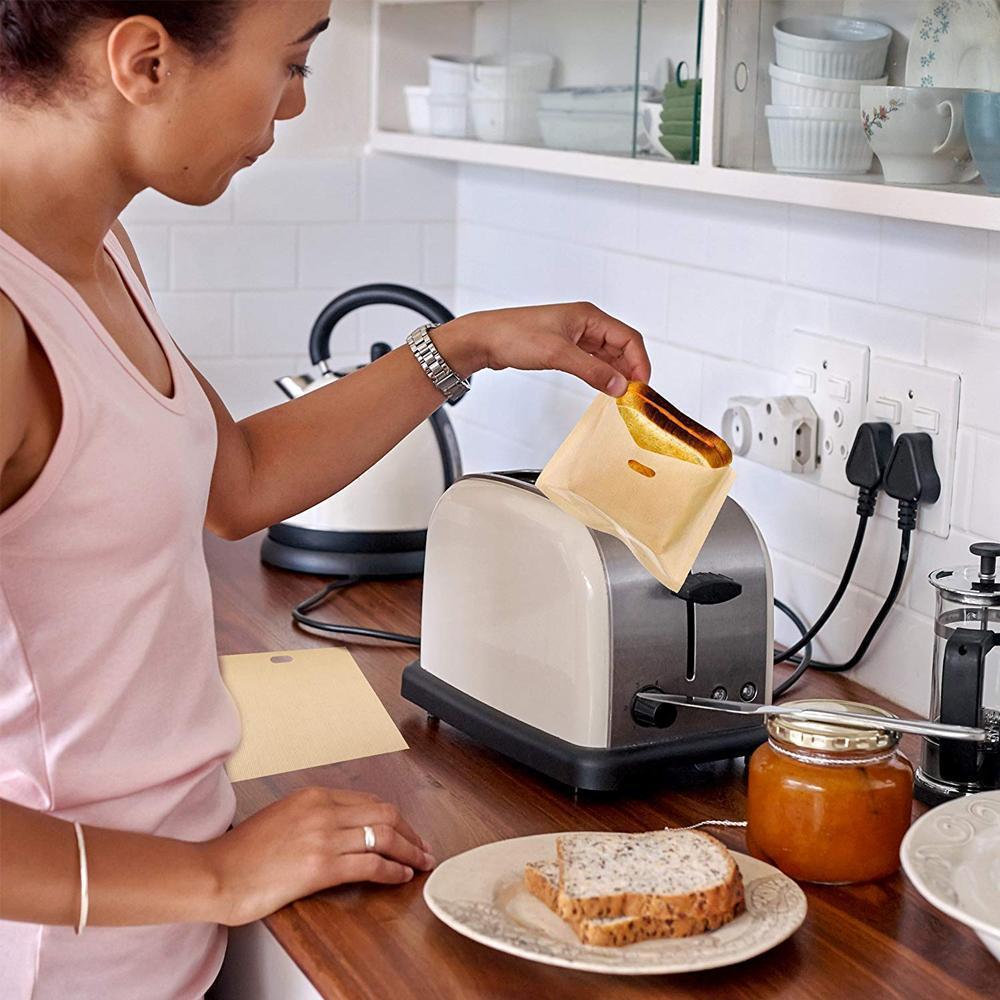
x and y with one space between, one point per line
709 588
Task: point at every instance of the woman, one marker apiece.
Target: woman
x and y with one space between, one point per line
115 452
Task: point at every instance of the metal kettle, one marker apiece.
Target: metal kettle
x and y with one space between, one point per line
377 525
965 688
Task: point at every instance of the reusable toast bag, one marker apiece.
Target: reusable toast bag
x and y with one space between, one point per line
639 469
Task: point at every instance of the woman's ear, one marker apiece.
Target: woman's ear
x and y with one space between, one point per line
139 52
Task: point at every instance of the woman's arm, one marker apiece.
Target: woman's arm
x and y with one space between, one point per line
281 461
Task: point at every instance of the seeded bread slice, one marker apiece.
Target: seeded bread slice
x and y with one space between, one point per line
542 880
668 875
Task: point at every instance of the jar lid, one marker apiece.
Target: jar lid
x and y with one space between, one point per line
964 585
831 737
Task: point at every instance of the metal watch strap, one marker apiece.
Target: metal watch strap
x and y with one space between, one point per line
451 384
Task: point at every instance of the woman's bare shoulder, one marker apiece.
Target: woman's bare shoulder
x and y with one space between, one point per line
14 374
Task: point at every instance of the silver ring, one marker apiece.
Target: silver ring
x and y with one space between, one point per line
369 839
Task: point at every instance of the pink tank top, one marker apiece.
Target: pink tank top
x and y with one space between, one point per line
112 707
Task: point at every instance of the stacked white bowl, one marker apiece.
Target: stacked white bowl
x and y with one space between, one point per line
503 95
448 96
820 64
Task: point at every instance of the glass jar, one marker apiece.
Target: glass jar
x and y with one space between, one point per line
829 803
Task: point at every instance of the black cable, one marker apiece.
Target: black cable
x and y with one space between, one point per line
810 634
883 613
300 616
803 665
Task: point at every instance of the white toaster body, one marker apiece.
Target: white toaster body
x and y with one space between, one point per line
538 632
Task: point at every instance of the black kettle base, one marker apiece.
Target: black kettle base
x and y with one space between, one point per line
318 562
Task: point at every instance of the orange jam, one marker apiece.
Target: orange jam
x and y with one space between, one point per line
829 803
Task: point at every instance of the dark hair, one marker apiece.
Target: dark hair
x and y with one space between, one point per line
36 36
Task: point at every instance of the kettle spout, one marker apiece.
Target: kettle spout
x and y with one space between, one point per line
294 386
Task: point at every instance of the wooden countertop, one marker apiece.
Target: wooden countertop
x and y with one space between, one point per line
371 943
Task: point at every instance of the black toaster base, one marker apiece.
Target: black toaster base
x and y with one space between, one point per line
594 769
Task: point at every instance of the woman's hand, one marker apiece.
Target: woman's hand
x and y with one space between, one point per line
576 338
311 840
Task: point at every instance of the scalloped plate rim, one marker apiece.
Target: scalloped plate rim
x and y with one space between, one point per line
906 850
918 46
656 966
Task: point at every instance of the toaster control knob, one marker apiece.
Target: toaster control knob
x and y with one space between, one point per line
652 714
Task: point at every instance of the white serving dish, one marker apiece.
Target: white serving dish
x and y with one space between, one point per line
449 75
955 44
952 857
516 73
846 48
810 140
505 119
790 87
449 115
418 109
587 131
620 98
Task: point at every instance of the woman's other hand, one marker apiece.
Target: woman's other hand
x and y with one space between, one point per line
576 337
311 840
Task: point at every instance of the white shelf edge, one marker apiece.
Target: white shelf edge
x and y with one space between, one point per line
946 207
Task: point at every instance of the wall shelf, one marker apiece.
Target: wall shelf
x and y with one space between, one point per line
967 205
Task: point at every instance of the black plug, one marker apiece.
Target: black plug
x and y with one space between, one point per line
867 462
911 476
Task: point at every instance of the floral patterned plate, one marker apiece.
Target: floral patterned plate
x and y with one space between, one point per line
481 894
952 856
955 43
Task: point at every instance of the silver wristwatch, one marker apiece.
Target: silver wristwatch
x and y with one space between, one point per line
438 370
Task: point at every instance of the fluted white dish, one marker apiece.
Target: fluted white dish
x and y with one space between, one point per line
810 140
505 119
788 86
846 48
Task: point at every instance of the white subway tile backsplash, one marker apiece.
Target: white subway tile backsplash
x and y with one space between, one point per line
933 269
279 190
705 311
929 553
834 252
485 450
984 513
635 291
973 352
544 204
151 206
673 225
438 248
247 387
279 322
606 215
748 237
890 333
722 379
993 283
677 375
351 253
152 247
486 195
965 468
232 257
404 189
391 324
771 314
200 322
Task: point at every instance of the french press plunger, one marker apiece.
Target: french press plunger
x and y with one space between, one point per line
965 687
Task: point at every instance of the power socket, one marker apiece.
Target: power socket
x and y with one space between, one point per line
779 431
915 398
833 375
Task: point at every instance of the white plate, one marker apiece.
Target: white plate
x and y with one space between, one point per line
955 43
481 894
952 856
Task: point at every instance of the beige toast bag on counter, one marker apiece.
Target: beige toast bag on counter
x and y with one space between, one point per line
639 469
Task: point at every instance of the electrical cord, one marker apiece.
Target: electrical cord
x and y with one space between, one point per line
806 643
300 614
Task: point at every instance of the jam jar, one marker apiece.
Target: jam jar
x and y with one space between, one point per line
826 802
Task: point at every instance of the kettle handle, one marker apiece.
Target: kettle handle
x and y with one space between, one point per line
961 697
370 295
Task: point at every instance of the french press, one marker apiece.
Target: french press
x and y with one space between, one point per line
965 686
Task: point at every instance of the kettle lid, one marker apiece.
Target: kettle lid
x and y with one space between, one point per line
978 585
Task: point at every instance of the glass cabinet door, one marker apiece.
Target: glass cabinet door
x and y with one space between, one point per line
614 77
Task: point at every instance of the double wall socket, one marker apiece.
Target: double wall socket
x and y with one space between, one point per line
833 376
914 398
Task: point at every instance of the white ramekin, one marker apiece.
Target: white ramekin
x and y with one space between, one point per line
418 109
449 115
803 90
817 140
449 75
846 48
515 73
505 119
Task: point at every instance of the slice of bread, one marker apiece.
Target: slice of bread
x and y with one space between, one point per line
657 426
668 874
542 880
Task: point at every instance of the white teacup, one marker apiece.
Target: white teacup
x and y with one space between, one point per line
918 134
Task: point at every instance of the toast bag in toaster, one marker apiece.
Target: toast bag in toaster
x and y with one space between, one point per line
639 469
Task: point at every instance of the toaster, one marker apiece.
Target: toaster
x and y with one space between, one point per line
539 636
